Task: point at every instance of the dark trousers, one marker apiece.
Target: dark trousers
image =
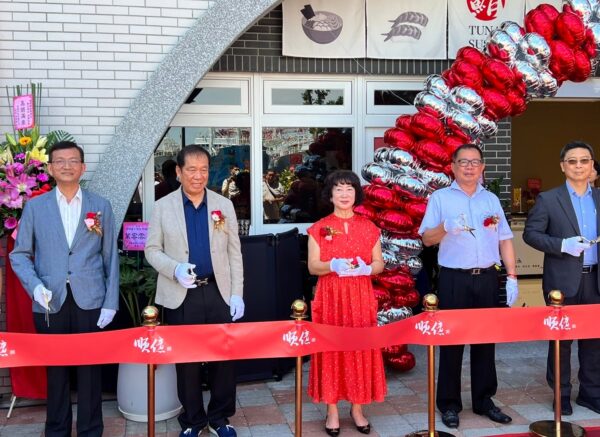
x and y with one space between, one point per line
589 349
204 305
72 320
459 290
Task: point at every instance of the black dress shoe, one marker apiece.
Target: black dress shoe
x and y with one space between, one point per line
495 415
332 431
592 404
450 419
364 429
565 407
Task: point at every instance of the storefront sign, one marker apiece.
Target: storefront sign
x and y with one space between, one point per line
23 117
135 235
534 184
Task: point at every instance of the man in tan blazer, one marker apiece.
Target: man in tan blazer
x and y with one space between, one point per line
193 243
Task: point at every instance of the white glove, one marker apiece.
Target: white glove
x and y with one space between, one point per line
236 307
106 316
453 226
512 291
43 296
339 265
184 273
574 246
362 270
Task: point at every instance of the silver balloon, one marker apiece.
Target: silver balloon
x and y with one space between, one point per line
548 84
583 7
465 122
393 315
466 100
399 170
381 154
373 171
530 77
430 104
500 41
401 157
513 30
390 259
413 263
403 245
411 185
535 50
489 128
436 85
435 179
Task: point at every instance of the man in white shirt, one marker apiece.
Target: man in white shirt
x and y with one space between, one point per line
66 258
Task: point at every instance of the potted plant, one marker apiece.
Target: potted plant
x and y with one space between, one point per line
138 287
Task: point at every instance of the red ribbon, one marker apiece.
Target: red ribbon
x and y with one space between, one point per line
190 343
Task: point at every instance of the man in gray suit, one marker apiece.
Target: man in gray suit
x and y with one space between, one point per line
564 224
66 258
193 243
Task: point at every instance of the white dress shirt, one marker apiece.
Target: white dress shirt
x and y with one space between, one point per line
70 213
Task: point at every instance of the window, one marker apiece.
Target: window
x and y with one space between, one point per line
392 97
297 161
307 97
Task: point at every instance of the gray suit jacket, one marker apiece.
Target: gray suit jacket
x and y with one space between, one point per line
550 221
167 246
42 255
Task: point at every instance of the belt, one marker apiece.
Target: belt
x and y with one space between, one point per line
589 269
475 271
204 281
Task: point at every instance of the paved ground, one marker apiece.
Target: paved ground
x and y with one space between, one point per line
266 409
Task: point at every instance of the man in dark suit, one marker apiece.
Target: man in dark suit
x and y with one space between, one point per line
66 258
564 225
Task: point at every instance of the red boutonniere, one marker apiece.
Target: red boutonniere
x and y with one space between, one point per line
92 221
328 232
491 222
218 219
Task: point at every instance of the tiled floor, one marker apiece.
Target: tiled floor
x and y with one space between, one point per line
266 409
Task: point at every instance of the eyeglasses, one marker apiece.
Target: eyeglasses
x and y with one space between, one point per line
64 162
582 161
466 162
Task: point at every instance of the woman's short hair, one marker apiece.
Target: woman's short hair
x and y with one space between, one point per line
345 177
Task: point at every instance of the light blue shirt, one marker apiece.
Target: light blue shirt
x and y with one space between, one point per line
585 210
466 251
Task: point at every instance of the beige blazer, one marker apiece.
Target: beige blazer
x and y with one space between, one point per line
167 246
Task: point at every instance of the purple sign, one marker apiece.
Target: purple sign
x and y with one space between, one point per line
23 112
134 235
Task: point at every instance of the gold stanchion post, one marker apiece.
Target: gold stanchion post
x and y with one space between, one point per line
150 316
298 314
556 428
430 304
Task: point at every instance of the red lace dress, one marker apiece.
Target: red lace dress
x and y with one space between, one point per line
356 376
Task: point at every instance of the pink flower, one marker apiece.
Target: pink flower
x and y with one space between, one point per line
42 177
89 222
10 223
22 183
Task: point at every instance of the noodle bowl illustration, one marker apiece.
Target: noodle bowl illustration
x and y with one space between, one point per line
323 28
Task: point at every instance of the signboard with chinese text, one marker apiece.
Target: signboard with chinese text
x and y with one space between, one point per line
134 235
23 117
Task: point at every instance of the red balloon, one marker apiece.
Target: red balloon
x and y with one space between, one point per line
465 73
416 210
382 296
382 197
497 105
497 74
453 142
399 138
541 21
394 221
583 67
401 363
366 210
562 61
426 126
430 152
518 104
589 45
403 121
471 55
395 280
570 28
448 170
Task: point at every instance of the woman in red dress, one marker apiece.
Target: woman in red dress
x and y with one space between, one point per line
344 250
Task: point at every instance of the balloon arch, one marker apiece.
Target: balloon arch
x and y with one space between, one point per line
463 105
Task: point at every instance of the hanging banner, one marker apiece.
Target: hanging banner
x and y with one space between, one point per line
470 22
410 29
324 28
532 4
23 117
